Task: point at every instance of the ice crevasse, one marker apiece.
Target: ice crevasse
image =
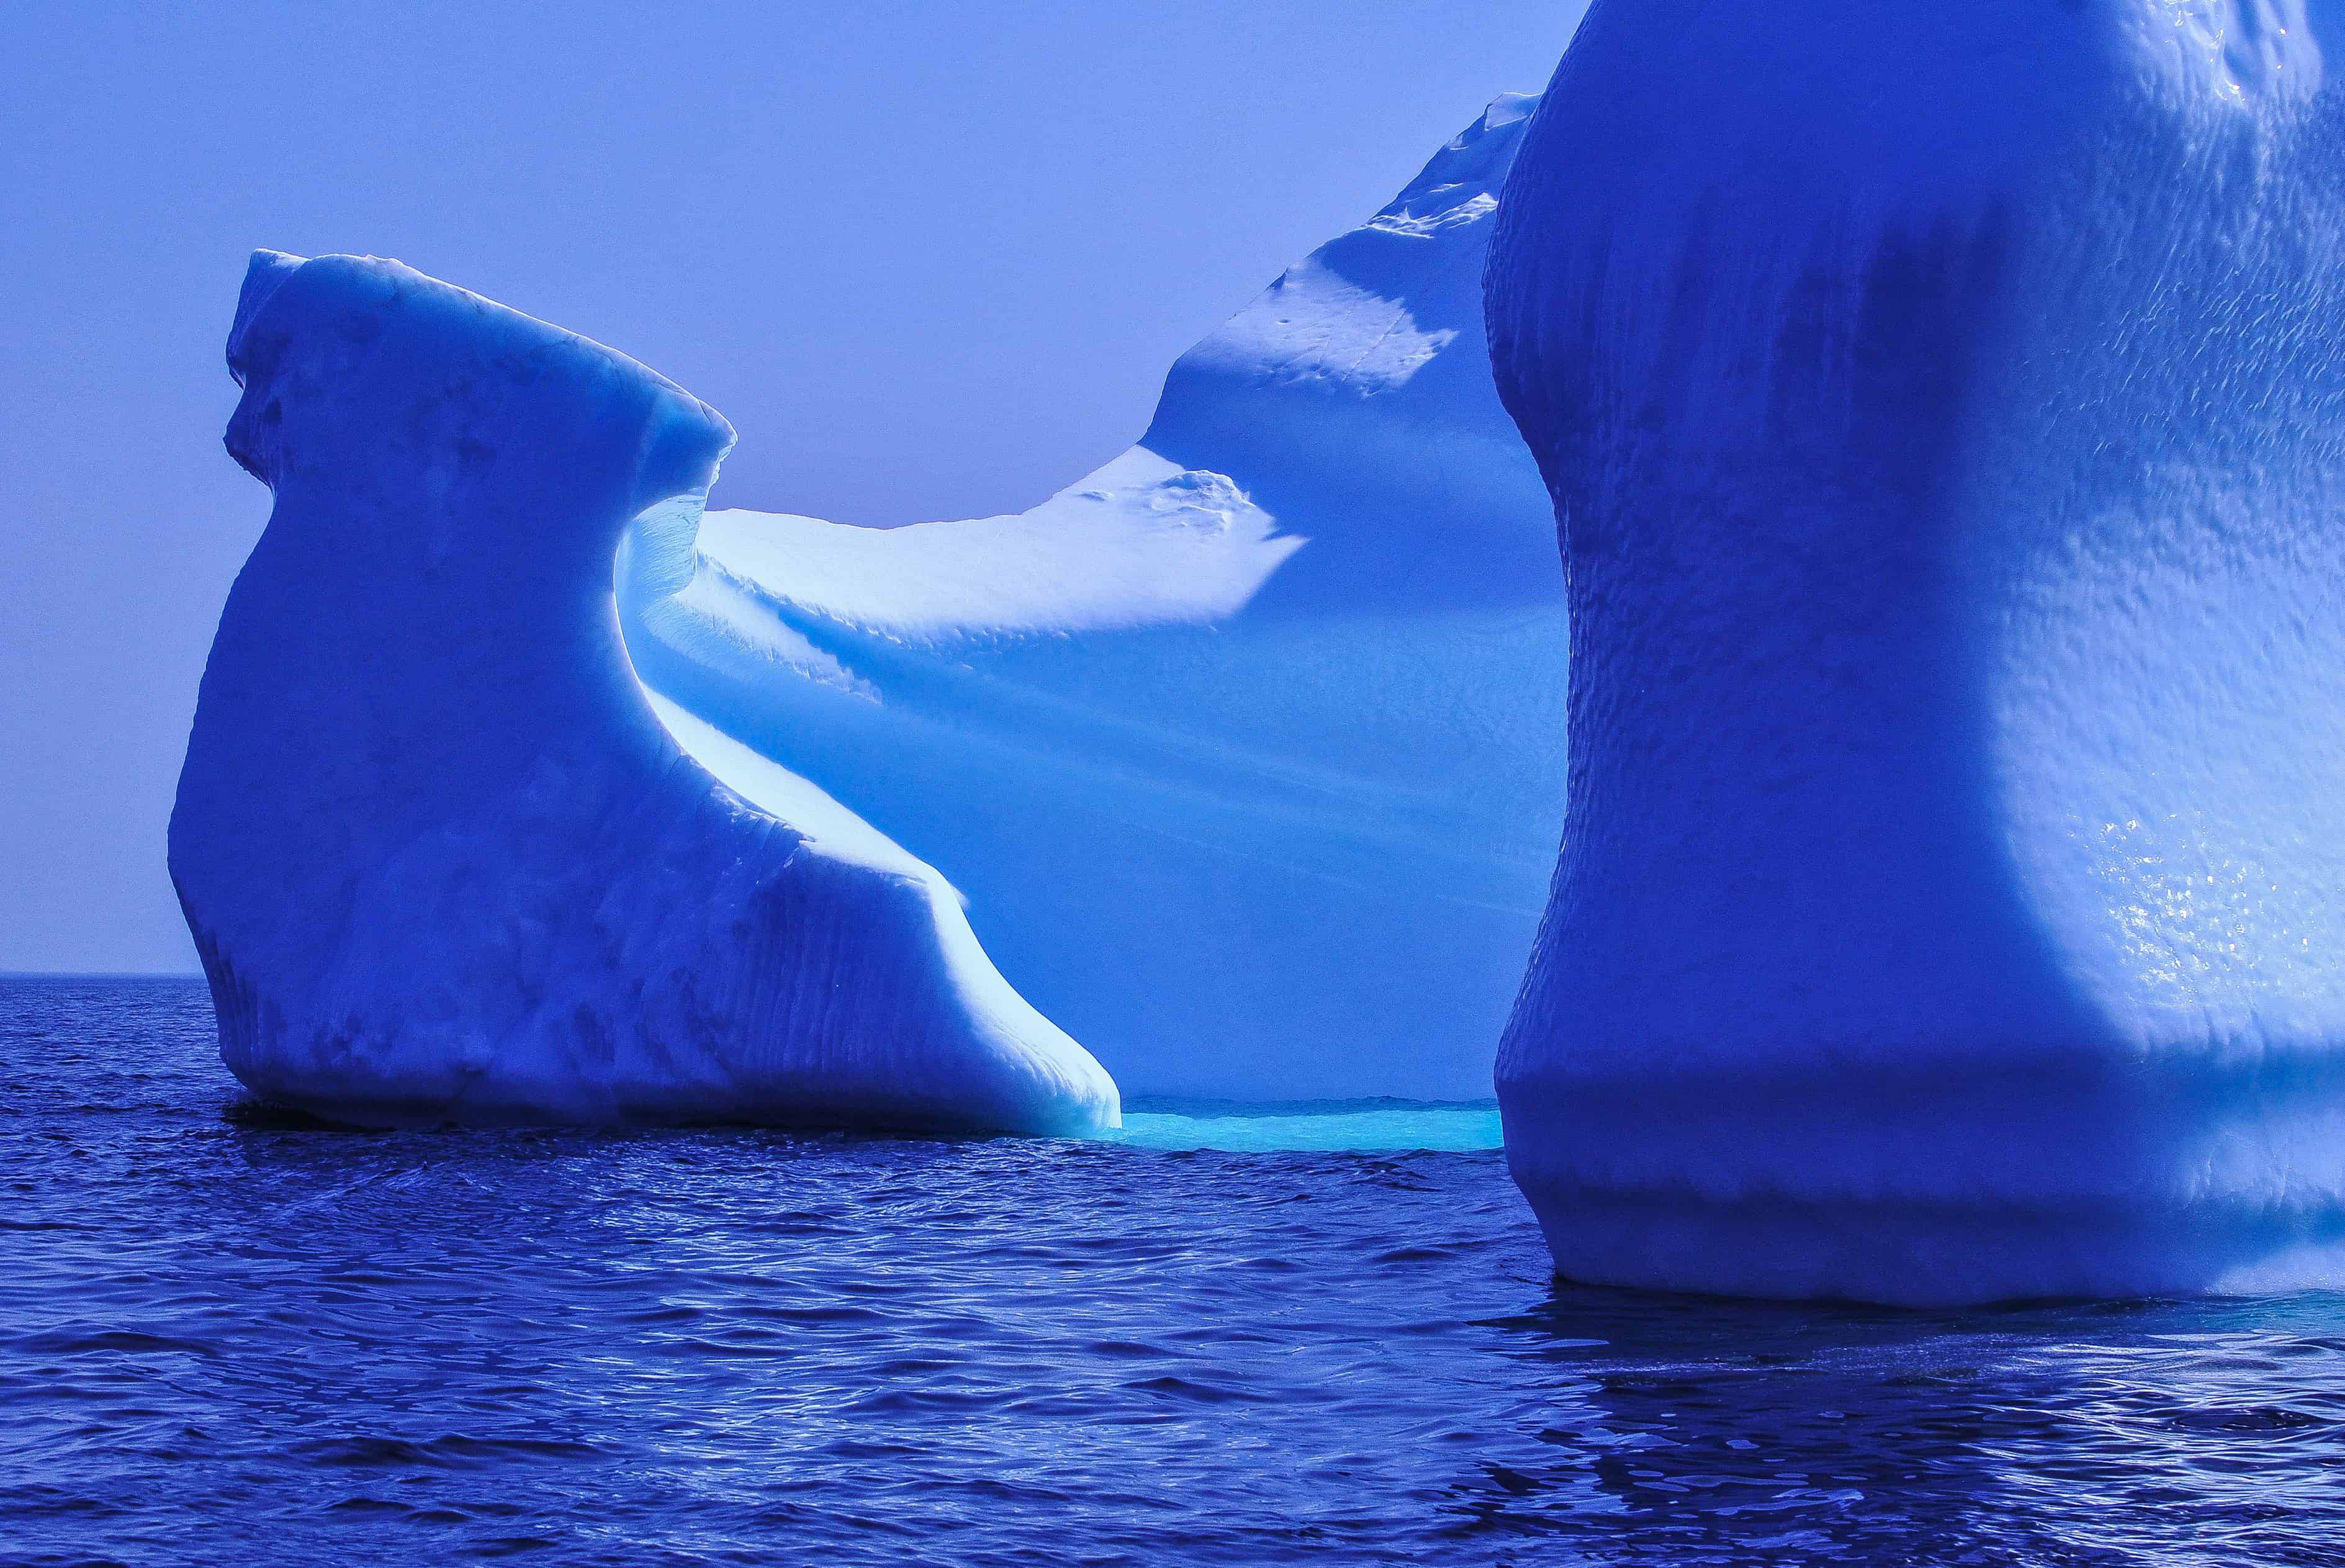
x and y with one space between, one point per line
441 856
1945 407
1246 749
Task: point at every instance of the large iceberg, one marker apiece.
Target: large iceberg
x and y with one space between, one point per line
1944 407
1247 748
440 858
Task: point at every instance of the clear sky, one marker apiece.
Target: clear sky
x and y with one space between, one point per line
932 260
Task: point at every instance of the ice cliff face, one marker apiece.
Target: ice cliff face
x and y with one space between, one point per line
1945 407
441 859
1245 748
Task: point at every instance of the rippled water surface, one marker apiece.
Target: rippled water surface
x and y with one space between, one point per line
228 1339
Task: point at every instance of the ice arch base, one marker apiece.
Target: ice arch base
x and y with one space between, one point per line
441 859
1944 415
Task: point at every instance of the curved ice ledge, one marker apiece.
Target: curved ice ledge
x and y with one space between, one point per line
1246 747
1945 407
439 857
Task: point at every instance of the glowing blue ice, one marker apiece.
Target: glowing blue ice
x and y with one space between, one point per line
441 859
1247 748
1945 411
1388 1127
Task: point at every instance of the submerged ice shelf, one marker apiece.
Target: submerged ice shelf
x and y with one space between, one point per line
1947 432
1361 1126
441 859
1246 749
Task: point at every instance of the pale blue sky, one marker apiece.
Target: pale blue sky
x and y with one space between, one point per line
932 260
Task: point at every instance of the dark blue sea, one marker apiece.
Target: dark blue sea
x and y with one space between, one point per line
228 1337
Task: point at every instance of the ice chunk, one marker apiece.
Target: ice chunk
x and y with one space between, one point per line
1945 411
439 857
1246 747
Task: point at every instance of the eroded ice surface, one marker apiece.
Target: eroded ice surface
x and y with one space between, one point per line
1245 748
439 857
1946 409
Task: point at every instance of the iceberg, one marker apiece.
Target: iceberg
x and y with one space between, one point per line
1246 747
1945 407
441 856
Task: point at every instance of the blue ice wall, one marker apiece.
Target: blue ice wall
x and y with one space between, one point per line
439 857
1944 411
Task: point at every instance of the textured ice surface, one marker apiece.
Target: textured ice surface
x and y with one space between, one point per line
441 859
1245 748
1943 410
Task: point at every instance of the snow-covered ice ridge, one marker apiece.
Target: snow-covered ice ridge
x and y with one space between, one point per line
1945 411
1246 749
441 860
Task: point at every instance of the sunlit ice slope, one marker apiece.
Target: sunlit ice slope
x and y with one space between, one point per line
1945 413
1246 749
441 860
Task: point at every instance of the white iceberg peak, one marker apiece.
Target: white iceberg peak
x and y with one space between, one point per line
439 857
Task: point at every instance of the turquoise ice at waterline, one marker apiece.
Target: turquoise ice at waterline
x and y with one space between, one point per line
1327 1127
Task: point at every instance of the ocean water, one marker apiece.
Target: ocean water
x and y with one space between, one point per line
227 1338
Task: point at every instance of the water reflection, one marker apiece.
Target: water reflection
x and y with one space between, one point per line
2165 1431
224 1334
